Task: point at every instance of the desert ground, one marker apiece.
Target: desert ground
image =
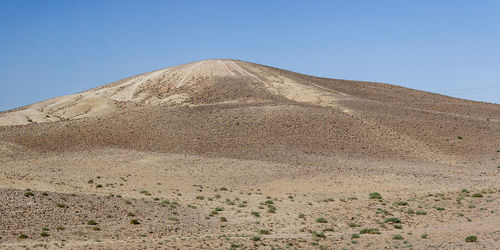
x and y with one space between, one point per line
221 154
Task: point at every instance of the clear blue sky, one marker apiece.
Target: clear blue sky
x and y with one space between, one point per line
53 48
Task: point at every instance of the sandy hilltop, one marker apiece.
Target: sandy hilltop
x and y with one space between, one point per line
221 154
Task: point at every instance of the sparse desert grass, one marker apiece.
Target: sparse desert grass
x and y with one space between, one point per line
134 222
91 222
369 231
397 237
393 220
353 224
256 214
375 195
355 236
477 195
471 238
321 220
318 235
23 236
173 218
264 232
421 212
44 234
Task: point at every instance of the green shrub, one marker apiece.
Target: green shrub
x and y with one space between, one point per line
23 236
375 195
44 234
421 213
29 193
353 224
321 220
91 222
355 236
397 237
477 195
256 214
271 209
471 238
319 235
393 220
223 219
264 232
423 236
256 238
369 231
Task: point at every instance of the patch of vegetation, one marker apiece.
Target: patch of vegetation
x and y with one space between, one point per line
302 216
353 224
23 236
223 219
400 203
96 228
91 222
421 213
369 231
318 235
256 214
397 237
29 193
355 236
440 208
98 186
200 197
223 189
59 228
218 209
62 205
375 195
393 220
423 236
145 192
271 209
264 232
477 195
44 234
321 220
471 238
173 219
256 238
398 226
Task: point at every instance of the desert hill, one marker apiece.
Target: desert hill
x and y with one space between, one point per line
237 109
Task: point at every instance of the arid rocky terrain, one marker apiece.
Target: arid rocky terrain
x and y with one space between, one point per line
220 154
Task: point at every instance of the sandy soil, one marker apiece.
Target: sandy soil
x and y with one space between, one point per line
225 154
